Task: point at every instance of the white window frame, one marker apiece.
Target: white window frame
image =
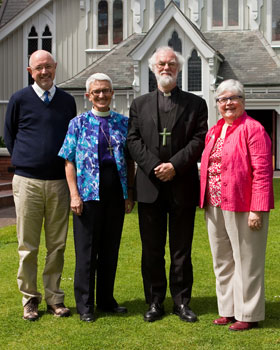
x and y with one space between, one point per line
225 25
110 24
274 43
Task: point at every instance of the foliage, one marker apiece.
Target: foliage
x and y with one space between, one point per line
130 332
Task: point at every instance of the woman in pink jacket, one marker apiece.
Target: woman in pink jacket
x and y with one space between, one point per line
237 194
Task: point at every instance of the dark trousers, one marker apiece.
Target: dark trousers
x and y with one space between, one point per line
97 235
153 218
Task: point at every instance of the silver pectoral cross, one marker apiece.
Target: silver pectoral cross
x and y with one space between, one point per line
164 134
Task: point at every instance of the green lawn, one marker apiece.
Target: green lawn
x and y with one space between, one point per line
130 332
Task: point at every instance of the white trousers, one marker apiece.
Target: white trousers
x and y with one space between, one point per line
239 260
39 201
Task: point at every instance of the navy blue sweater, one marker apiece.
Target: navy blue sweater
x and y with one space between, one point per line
34 132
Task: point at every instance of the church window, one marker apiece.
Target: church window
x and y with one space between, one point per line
176 43
47 39
194 72
45 43
103 23
225 13
275 20
159 8
117 21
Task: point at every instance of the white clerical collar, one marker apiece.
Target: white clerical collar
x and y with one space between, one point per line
100 114
167 94
40 92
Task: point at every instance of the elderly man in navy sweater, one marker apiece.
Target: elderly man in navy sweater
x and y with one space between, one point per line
36 122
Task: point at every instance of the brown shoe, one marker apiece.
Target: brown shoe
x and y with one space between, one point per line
59 310
30 310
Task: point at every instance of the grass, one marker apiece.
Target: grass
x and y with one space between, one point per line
130 332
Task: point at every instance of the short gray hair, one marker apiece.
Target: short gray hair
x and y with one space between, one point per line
230 85
97 76
179 58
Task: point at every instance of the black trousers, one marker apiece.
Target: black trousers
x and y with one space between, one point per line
97 236
153 222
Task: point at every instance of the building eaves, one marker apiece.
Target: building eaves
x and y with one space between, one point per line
116 63
11 8
246 58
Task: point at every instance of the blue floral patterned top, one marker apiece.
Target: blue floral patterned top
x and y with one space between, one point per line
81 147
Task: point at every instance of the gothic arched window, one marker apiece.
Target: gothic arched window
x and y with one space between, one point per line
103 23
117 21
176 43
159 8
31 47
194 72
47 39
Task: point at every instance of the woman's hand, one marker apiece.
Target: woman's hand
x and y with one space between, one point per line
76 205
129 204
255 220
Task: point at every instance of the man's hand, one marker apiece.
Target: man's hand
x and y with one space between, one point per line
76 205
255 220
165 172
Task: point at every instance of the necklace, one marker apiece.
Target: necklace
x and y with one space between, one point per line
164 133
110 148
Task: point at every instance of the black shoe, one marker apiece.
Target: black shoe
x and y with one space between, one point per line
185 313
86 317
155 312
114 310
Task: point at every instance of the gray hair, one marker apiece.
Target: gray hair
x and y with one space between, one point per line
230 85
97 76
179 58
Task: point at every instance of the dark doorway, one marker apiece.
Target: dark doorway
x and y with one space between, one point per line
267 118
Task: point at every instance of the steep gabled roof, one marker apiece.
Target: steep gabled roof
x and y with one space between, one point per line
11 8
247 57
116 63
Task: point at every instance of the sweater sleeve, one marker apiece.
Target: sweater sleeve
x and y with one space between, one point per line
11 125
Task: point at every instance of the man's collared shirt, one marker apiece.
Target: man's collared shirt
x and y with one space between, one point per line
40 92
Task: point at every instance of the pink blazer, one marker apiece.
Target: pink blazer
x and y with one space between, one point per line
246 171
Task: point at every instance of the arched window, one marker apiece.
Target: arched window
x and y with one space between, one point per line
159 8
194 72
47 39
32 46
117 21
176 43
103 23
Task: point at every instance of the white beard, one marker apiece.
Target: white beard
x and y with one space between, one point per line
165 80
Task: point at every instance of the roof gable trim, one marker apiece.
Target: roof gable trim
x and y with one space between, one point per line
23 16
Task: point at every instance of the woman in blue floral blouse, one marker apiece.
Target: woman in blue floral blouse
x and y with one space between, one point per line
100 178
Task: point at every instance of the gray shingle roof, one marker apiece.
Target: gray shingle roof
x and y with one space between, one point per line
10 8
248 57
116 63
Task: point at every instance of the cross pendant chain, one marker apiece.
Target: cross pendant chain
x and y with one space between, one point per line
164 134
110 148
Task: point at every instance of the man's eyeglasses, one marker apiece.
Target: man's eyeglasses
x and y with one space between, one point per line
224 100
46 67
98 92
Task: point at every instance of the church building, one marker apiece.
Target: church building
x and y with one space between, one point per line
219 39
